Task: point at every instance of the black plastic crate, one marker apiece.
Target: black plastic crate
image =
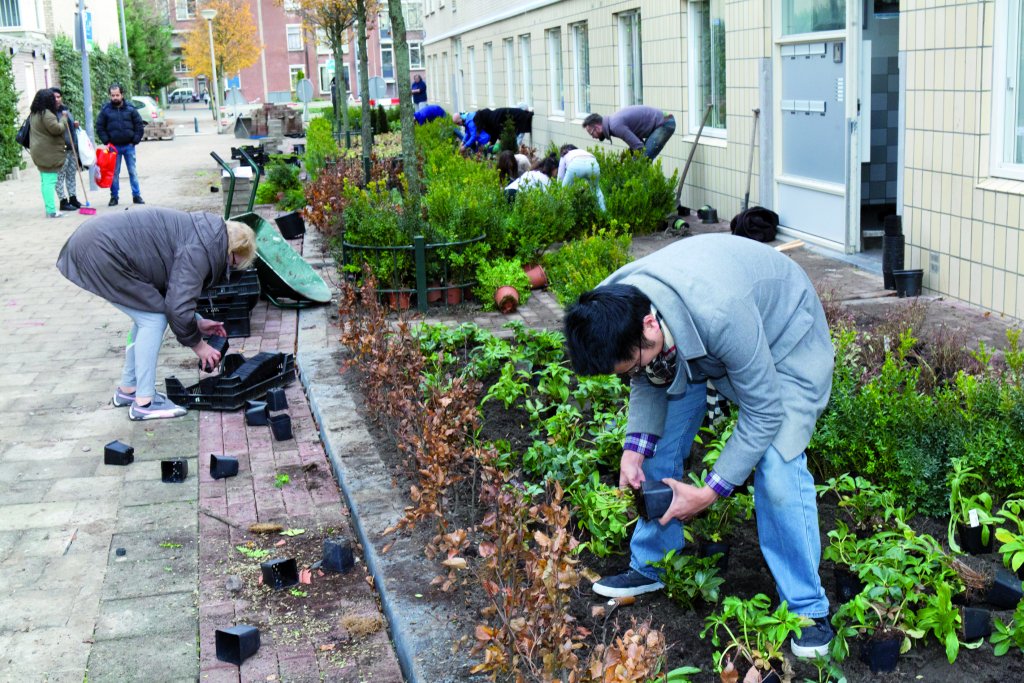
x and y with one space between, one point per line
244 284
234 313
241 379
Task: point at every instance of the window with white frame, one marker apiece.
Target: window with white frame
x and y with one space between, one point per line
630 62
384 25
510 70
180 67
460 100
415 54
808 16
489 71
525 54
555 79
294 76
293 32
471 63
1008 91
324 80
413 14
707 65
580 69
447 77
323 45
183 9
387 61
10 14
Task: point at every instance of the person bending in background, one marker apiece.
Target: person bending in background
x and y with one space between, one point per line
152 264
579 163
640 127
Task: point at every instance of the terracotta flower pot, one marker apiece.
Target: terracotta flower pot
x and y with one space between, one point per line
507 299
453 295
538 278
400 301
434 292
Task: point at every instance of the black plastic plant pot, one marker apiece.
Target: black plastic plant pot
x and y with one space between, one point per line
276 400
256 413
338 555
278 574
881 655
977 623
236 644
223 466
1005 591
720 548
770 677
281 426
848 584
291 225
971 539
173 471
117 453
653 499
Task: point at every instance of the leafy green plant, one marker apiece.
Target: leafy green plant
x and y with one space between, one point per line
10 150
1012 541
603 511
371 218
867 506
253 553
298 593
748 629
967 504
1010 634
501 273
105 68
320 146
689 578
636 191
170 544
581 265
943 619
281 480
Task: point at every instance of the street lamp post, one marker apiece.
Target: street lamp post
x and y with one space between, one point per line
209 15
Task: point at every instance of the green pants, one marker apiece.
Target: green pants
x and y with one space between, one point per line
49 187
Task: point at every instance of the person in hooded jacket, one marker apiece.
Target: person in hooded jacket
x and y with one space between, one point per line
46 147
152 264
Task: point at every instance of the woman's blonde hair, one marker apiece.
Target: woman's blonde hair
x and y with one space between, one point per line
242 243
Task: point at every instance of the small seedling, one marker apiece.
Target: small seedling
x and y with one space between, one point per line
281 480
299 594
252 553
293 532
169 544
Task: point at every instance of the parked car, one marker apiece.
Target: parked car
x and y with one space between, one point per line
148 109
180 95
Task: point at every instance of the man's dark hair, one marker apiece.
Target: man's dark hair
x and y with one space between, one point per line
43 101
605 327
56 91
115 86
565 149
592 119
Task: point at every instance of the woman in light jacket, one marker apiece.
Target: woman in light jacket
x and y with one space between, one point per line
152 264
46 145
579 163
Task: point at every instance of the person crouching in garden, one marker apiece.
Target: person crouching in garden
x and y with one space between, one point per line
46 145
152 264
538 177
579 163
746 317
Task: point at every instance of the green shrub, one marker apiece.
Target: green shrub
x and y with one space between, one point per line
507 137
500 273
636 191
382 121
580 266
105 69
320 146
10 150
371 219
540 216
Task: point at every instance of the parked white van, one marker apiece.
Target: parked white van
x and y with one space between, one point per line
182 95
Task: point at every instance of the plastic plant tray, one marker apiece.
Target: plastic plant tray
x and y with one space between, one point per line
244 284
240 380
234 313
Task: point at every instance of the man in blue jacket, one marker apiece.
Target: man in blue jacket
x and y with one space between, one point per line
120 125
746 317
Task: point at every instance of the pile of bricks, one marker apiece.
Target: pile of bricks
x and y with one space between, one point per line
289 119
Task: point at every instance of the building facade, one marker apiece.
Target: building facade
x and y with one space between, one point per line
863 110
289 49
27 30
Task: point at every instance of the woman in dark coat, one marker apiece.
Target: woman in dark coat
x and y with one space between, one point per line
46 145
152 264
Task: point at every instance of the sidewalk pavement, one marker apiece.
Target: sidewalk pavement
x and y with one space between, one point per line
71 609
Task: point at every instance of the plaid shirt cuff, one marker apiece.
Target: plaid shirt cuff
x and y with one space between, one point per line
641 443
719 485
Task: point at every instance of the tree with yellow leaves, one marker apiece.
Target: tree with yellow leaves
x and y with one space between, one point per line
235 41
333 19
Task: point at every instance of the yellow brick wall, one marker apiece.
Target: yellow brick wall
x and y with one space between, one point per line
952 206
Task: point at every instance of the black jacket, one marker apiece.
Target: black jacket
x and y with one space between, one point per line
492 120
150 259
119 125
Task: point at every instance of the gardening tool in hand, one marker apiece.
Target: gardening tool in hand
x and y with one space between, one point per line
87 209
686 168
750 165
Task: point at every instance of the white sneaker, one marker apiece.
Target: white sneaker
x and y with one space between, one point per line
160 408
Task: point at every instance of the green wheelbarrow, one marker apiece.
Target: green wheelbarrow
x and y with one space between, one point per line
286 279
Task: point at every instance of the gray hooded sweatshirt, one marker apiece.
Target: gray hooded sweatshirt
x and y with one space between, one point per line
150 259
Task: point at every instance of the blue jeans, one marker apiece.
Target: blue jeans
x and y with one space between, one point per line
659 136
785 505
588 170
126 152
142 350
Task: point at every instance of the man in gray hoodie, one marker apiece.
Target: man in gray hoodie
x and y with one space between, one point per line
152 264
638 126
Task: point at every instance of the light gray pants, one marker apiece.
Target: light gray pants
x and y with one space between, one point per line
66 176
142 350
